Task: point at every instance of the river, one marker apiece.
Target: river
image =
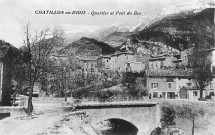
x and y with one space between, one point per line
119 127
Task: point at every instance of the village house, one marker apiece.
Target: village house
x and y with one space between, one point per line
172 84
124 61
118 61
8 54
105 62
134 66
88 65
156 63
163 61
36 89
212 52
186 57
178 61
1 78
58 59
139 64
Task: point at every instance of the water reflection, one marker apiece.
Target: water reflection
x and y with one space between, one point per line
118 127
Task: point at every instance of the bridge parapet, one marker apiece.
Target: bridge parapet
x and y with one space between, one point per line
111 99
145 116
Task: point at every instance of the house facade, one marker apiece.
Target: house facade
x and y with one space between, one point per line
105 62
36 89
186 57
163 61
175 85
123 61
119 61
8 54
1 78
134 66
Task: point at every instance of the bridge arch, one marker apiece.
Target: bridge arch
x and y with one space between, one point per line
139 126
120 125
144 116
136 124
116 117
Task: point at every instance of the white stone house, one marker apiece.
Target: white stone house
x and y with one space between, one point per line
175 85
118 61
163 61
134 66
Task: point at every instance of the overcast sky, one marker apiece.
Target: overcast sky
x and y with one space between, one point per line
14 12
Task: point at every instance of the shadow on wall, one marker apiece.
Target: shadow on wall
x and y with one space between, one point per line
4 115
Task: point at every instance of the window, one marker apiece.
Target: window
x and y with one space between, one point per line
154 85
169 79
169 85
188 84
212 93
171 95
195 93
211 85
163 94
155 94
161 63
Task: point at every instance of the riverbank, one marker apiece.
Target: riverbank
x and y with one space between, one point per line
50 119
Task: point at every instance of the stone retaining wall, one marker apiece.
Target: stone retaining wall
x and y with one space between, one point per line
51 99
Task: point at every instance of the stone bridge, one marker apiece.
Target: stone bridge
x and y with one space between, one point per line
144 116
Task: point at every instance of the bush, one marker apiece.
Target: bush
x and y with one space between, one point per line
80 93
156 131
104 95
168 116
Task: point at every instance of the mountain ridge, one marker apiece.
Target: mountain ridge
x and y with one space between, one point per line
88 47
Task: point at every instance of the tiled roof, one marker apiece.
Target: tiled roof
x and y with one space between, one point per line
176 61
173 73
87 58
106 56
120 53
157 59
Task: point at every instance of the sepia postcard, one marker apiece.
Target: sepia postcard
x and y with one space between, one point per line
107 67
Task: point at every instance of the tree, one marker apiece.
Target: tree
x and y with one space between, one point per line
187 111
135 88
202 73
104 95
168 116
37 51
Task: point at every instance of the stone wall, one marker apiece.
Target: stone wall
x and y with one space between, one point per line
145 118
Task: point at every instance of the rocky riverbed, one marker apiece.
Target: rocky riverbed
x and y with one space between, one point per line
49 118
